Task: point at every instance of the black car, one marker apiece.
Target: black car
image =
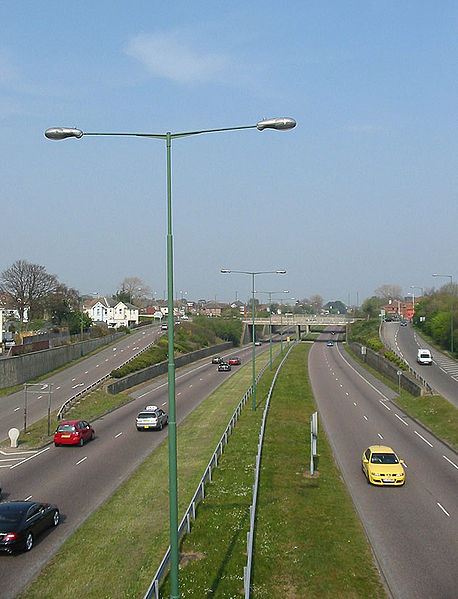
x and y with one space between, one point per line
217 359
22 521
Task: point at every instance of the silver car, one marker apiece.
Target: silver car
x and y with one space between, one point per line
151 417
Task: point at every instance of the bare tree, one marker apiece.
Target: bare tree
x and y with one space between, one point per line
387 292
135 289
317 303
27 284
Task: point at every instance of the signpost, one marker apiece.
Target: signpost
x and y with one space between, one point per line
313 438
41 390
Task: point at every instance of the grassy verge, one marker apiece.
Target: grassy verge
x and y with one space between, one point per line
91 406
309 541
116 552
433 411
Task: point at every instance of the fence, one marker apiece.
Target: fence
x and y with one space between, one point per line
250 535
190 514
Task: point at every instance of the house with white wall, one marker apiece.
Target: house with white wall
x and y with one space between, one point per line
112 312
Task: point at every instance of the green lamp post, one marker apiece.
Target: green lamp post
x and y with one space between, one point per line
58 133
270 294
253 274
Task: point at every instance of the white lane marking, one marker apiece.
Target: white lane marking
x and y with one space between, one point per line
106 360
77 385
450 461
114 348
28 498
380 436
423 439
384 405
179 393
16 409
97 365
365 417
118 435
165 403
30 457
361 376
40 396
443 509
346 392
82 460
354 403
74 379
57 388
403 421
190 386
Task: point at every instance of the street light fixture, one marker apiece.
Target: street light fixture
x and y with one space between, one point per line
58 133
270 293
451 308
253 274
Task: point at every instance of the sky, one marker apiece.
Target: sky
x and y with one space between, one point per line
362 193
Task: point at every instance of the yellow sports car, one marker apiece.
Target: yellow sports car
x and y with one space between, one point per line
382 466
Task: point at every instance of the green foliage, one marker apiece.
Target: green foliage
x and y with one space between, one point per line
74 322
188 337
389 355
432 316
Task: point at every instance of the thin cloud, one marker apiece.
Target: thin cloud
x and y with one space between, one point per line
164 55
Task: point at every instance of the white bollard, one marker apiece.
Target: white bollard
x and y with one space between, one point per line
13 434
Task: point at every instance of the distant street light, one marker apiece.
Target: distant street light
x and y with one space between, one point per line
451 308
270 293
58 133
253 274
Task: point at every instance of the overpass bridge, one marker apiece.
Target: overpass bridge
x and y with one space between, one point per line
301 322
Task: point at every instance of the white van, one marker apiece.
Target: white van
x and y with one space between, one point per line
424 356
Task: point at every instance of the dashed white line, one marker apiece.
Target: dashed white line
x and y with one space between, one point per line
118 435
380 436
365 417
423 439
450 461
82 460
403 421
354 403
384 405
16 409
74 379
28 498
443 509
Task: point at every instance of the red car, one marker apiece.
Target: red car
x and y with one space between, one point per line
235 361
73 432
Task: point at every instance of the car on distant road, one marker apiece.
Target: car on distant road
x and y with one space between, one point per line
151 417
381 466
424 356
236 361
223 367
216 359
22 521
257 343
330 343
73 432
403 323
164 327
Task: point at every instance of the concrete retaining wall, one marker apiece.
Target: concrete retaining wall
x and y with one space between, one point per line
388 369
20 369
150 372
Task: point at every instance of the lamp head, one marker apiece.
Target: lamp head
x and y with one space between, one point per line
280 272
281 124
225 271
62 133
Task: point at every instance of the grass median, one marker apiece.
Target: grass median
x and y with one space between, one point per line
309 541
116 552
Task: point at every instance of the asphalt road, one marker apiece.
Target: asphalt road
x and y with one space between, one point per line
442 375
69 381
78 479
412 529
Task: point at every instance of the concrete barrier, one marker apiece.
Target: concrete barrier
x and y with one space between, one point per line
388 369
20 369
150 372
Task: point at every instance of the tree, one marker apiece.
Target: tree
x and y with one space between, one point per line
387 292
27 284
132 290
317 303
61 303
371 306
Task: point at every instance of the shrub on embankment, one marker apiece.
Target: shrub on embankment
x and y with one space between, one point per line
366 332
188 337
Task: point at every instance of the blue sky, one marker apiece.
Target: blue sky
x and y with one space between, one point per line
363 192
